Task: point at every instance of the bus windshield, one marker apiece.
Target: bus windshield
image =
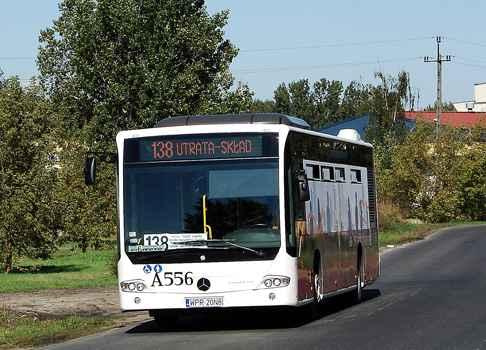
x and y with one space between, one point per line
165 201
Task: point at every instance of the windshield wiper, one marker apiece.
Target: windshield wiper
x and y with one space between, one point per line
208 243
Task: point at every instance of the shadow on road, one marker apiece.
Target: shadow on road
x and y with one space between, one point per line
241 319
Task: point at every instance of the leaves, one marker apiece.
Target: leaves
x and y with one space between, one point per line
27 174
438 180
108 66
127 64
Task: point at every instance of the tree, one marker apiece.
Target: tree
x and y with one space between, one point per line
472 182
301 100
356 100
446 107
113 65
234 101
436 179
282 99
387 103
28 217
265 106
326 97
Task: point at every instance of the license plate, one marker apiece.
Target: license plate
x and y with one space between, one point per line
204 302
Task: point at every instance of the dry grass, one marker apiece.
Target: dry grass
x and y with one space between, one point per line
389 215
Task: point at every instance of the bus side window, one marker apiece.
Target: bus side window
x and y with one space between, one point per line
339 174
356 176
327 173
312 172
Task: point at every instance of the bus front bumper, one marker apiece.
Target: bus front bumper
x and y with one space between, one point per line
130 301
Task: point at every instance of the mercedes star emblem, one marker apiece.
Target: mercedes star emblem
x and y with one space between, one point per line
203 284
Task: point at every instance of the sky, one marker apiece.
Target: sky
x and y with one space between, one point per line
282 41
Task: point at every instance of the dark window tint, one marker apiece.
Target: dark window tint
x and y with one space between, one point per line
340 174
327 173
356 175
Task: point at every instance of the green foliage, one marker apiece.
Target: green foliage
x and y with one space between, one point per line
88 212
113 65
390 215
404 232
326 98
386 105
27 175
267 106
435 179
317 105
356 100
446 107
472 182
327 101
230 101
282 99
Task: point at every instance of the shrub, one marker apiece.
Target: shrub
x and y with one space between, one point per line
389 215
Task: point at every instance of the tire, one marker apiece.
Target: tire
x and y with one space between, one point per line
316 280
316 284
358 294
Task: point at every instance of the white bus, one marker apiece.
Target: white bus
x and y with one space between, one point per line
247 210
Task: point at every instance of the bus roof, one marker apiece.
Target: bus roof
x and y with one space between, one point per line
242 118
294 123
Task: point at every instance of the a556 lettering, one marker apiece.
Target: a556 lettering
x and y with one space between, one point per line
172 278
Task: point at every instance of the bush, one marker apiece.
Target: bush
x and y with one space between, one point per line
437 180
389 215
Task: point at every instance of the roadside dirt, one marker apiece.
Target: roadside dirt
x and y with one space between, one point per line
55 303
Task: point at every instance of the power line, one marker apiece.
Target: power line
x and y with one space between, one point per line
475 65
335 44
439 61
311 67
476 59
467 42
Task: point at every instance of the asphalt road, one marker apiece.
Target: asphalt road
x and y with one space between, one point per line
431 295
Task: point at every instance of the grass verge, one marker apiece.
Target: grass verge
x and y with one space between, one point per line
400 233
68 268
27 330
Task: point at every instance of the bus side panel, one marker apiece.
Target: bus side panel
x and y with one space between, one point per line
337 217
337 227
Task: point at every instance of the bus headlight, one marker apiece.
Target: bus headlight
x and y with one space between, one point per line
268 283
132 286
272 281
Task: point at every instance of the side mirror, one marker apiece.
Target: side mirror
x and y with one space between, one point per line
90 171
303 187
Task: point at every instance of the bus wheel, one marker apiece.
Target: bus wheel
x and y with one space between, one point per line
359 289
317 279
316 286
358 294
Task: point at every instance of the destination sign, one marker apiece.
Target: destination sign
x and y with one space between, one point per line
194 147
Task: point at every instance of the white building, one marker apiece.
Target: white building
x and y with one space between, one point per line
479 102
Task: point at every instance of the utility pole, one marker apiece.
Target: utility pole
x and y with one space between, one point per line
439 61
